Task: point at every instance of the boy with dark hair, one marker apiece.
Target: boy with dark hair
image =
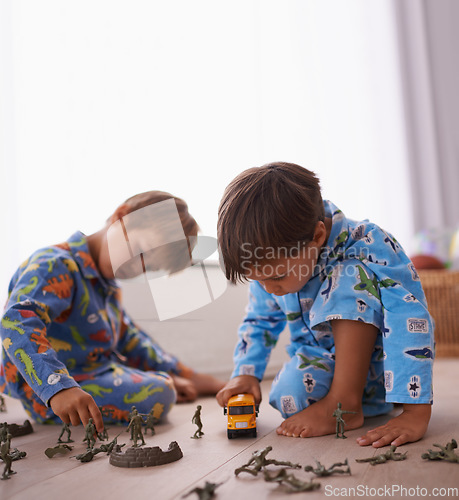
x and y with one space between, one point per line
361 334
70 349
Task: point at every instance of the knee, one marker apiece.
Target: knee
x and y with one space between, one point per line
161 398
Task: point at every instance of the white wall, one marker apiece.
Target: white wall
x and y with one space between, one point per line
105 98
204 339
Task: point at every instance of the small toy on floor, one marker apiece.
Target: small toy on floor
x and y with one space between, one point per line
242 415
258 461
90 434
65 429
151 422
5 455
17 430
321 471
60 449
340 423
205 493
135 425
445 453
384 457
2 404
145 457
290 481
197 420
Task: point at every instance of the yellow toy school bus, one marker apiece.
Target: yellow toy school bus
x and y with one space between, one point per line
242 412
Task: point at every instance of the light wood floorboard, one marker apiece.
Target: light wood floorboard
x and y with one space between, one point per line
214 458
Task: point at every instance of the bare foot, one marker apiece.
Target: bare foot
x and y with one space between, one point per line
318 420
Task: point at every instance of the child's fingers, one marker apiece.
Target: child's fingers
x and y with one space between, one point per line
74 418
404 438
371 436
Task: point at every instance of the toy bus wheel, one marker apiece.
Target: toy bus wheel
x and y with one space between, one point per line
230 434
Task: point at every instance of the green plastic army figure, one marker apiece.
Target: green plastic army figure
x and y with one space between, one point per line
103 436
320 470
2 404
292 482
90 434
108 447
384 457
135 425
5 455
197 420
446 453
88 455
65 428
60 449
258 461
151 421
205 493
3 432
340 423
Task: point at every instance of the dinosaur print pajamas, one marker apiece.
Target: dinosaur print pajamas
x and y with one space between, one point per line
63 326
362 274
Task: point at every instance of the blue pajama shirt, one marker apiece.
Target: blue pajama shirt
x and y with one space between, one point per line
362 274
63 326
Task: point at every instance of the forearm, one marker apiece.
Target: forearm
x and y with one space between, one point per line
419 412
354 344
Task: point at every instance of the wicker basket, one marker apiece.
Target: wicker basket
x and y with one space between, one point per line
442 292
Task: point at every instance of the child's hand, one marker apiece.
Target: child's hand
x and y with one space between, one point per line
185 388
74 404
239 385
408 427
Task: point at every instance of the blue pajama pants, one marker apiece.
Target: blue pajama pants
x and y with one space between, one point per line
115 391
307 377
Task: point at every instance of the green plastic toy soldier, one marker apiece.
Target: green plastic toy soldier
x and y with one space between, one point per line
151 421
4 432
205 493
60 449
65 428
197 420
103 436
135 425
340 423
320 470
384 457
90 434
2 404
6 457
258 461
292 482
108 447
446 453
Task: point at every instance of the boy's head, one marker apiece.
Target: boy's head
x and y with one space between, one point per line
267 213
150 231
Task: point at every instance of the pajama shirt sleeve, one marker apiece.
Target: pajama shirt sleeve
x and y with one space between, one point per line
41 294
258 334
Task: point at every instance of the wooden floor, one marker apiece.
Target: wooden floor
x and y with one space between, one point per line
214 458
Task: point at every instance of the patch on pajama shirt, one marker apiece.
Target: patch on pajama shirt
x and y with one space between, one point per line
362 274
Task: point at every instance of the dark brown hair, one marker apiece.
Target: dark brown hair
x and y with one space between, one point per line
274 206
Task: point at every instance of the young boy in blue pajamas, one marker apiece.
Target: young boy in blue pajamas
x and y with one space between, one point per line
69 348
360 330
